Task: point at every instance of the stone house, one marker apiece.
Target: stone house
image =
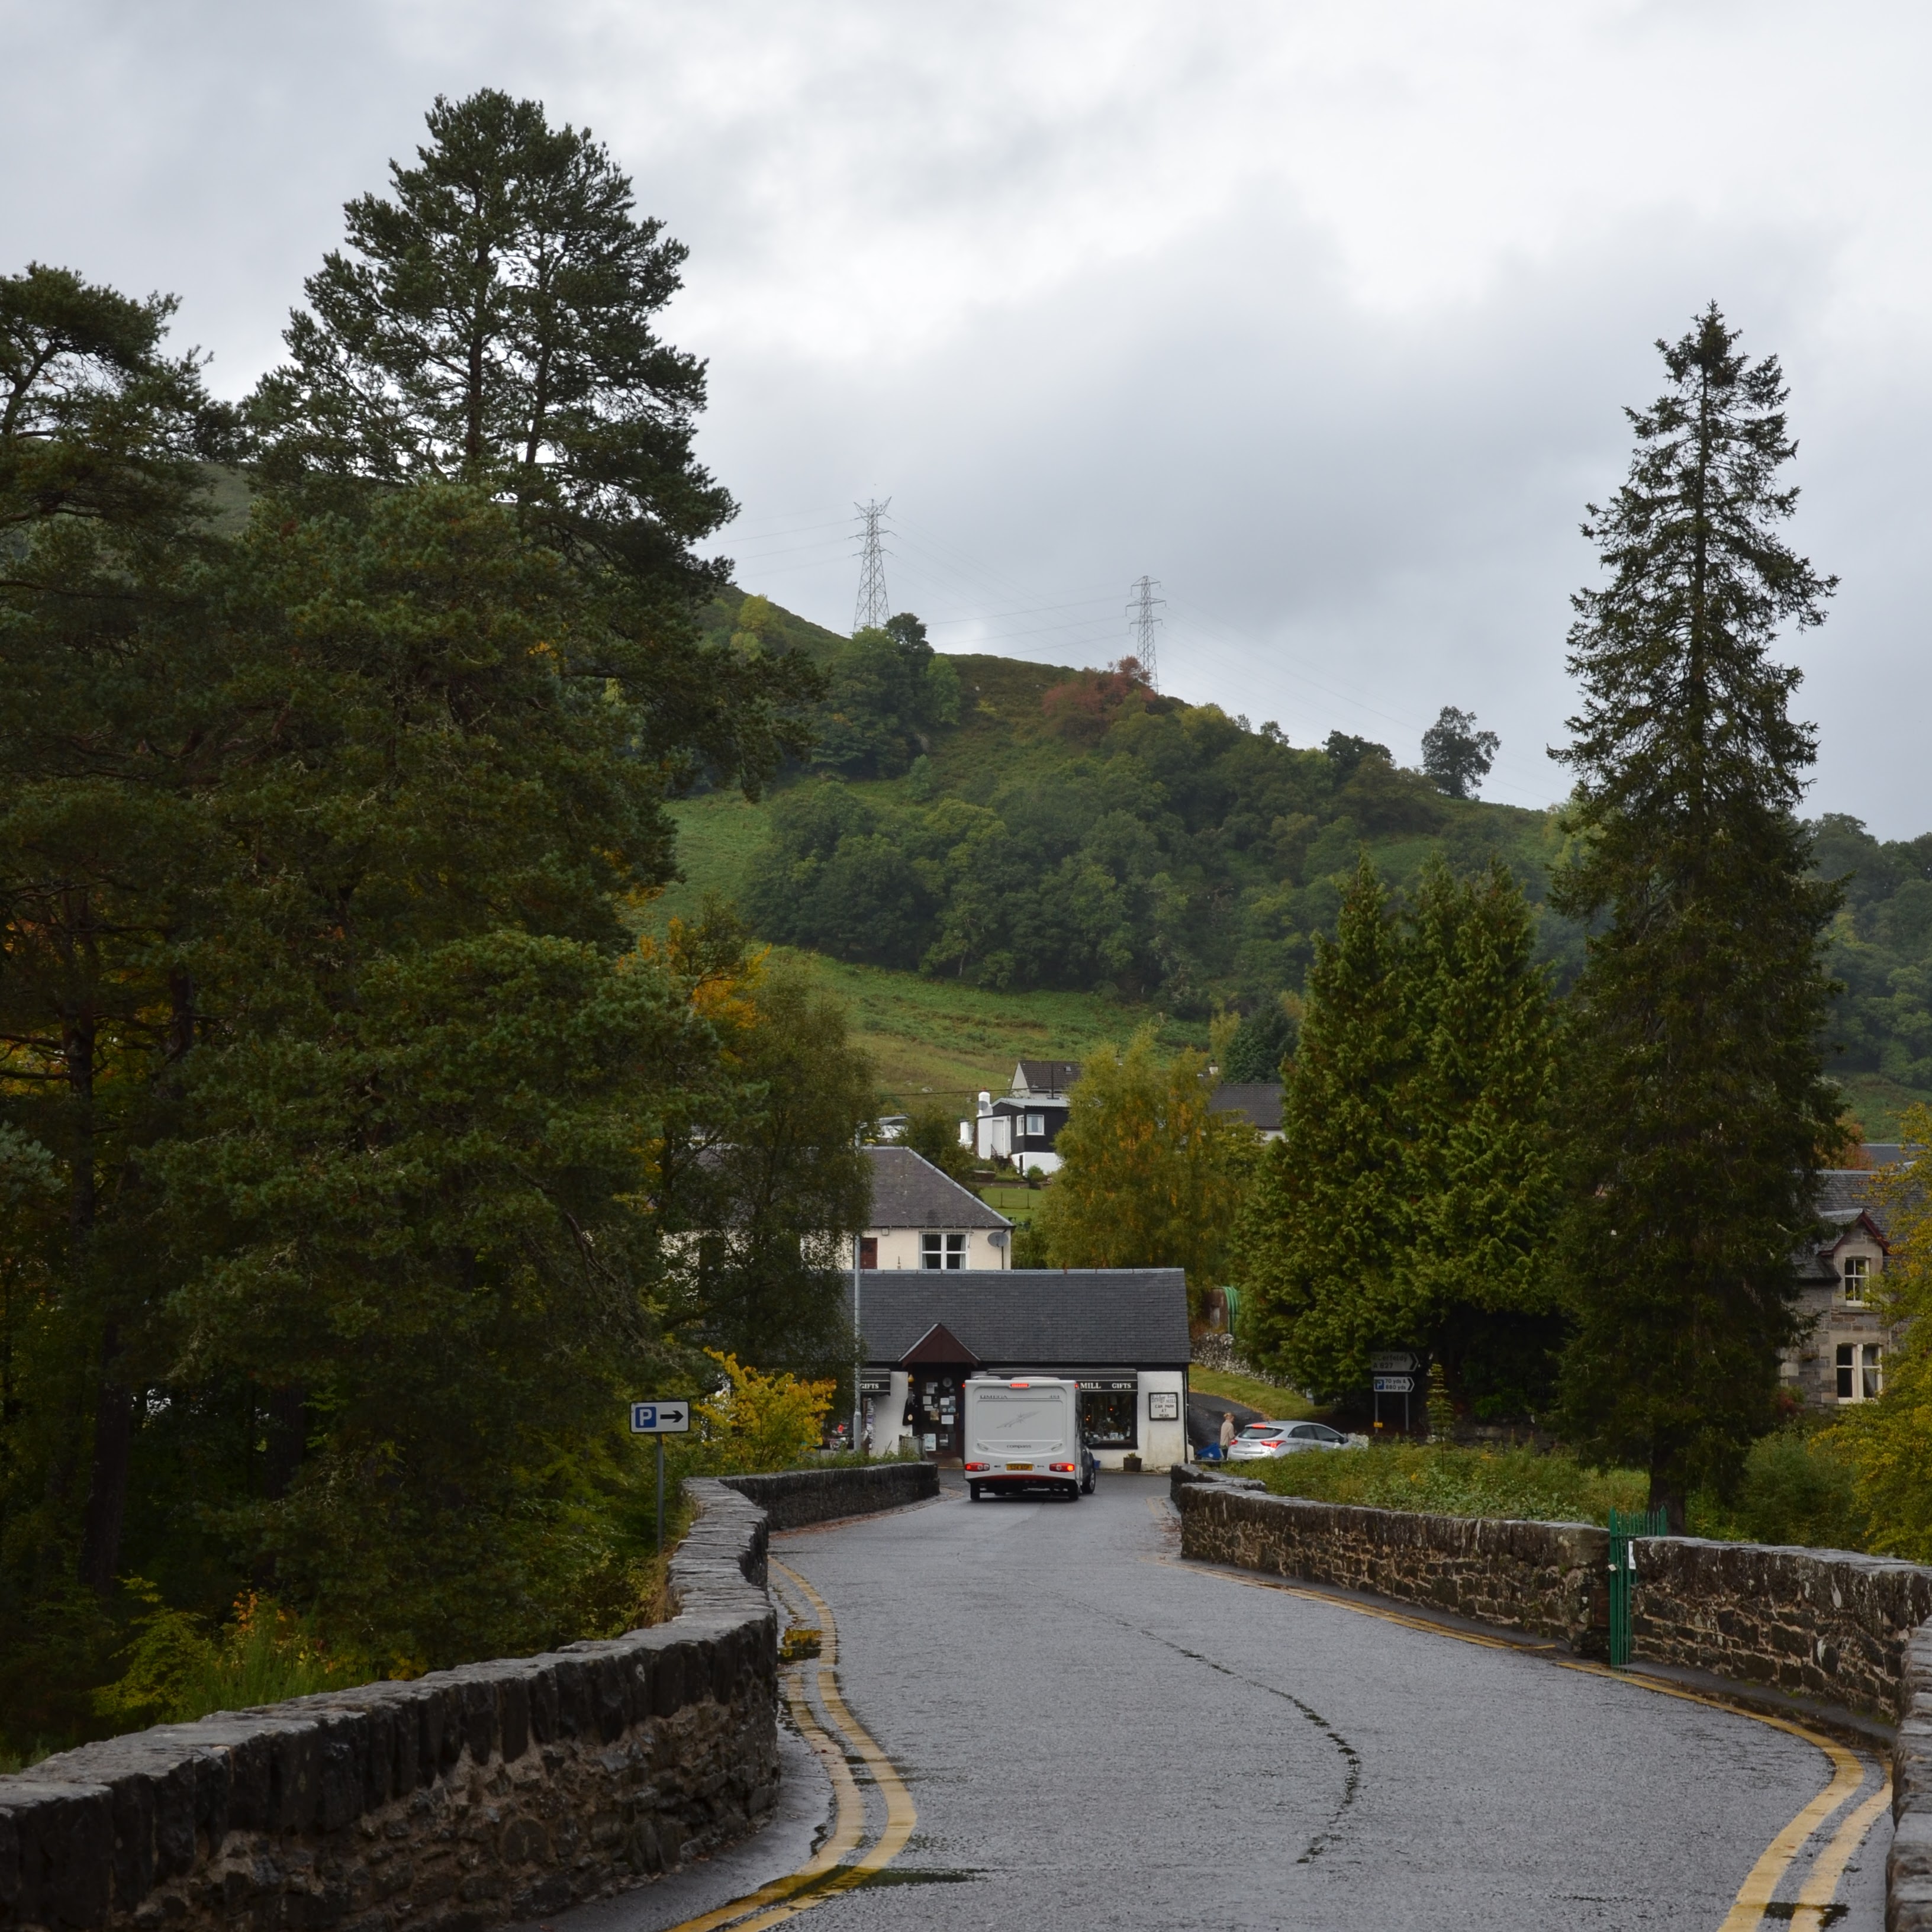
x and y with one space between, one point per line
1841 1359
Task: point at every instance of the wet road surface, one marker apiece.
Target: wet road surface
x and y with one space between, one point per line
1093 1733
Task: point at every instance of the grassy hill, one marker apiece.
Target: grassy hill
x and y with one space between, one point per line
989 859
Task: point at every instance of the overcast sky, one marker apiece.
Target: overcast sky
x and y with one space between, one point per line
1322 315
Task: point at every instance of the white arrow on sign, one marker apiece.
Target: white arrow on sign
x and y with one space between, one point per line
660 1418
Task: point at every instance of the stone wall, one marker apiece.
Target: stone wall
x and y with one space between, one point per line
797 1497
1908 1876
1825 1624
1543 1579
459 1801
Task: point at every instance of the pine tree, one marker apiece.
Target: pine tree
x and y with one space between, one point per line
1695 1095
493 323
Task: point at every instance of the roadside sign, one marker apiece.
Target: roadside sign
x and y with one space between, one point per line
660 1418
1392 1362
1394 1384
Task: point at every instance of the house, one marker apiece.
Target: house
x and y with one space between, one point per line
922 1218
1121 1333
1021 1130
1257 1101
1840 1358
1044 1079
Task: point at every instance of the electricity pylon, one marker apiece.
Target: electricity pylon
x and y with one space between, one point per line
1141 624
873 606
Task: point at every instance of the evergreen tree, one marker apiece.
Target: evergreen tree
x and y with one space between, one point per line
1409 1200
493 323
1321 1234
1484 1177
102 510
1696 1103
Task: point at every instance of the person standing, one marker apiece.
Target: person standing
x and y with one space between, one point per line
1227 1432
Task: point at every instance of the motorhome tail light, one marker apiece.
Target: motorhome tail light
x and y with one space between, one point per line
972 1467
1061 1468
1019 1384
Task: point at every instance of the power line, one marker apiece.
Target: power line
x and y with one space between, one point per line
873 606
1141 624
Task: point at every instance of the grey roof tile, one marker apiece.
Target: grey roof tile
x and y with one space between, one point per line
1260 1100
1032 1318
909 1191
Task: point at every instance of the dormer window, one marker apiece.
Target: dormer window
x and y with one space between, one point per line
1856 1269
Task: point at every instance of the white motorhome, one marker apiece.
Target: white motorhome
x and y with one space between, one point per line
1023 1432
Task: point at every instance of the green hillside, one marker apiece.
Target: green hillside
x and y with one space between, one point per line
989 858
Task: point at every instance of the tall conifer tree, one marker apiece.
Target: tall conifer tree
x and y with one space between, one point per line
1698 1107
1322 1236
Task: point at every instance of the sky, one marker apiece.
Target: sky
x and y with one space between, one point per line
1323 316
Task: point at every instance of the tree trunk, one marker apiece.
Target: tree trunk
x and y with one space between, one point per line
107 1493
288 1437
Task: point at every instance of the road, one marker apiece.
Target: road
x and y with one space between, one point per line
1093 1733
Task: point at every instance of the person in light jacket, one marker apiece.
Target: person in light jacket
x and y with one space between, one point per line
1227 1433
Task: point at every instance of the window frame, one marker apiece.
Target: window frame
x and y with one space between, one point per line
1854 1276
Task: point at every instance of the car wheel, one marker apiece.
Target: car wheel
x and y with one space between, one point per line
973 1491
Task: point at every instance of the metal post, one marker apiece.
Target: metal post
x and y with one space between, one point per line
858 1349
660 1495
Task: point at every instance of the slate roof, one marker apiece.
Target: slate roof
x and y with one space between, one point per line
909 1191
1844 1191
1045 1076
1032 1318
1260 1100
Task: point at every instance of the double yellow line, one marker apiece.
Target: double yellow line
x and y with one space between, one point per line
1746 1913
828 1872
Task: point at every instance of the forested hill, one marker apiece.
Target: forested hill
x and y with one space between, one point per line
1011 825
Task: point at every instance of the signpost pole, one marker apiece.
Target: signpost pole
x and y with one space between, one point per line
858 1349
660 1495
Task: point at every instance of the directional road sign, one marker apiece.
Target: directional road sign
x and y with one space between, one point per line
660 1418
1384 1385
1392 1362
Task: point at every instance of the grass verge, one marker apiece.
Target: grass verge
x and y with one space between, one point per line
1516 1483
1278 1405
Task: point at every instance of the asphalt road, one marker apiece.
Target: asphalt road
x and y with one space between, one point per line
1095 1734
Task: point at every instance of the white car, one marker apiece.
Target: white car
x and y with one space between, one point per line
1261 1439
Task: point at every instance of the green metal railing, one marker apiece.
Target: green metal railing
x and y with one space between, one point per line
1626 1526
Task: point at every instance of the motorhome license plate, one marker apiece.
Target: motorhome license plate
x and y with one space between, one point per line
1019 1465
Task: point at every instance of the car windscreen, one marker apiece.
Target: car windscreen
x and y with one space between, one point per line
1252 1434
1018 1422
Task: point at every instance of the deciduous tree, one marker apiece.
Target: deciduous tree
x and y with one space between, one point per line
1151 1176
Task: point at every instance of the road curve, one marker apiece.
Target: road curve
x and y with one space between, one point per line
1093 1733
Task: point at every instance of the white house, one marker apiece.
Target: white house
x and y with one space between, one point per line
1121 1333
923 1219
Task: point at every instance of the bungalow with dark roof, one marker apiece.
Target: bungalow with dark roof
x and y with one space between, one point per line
1121 1333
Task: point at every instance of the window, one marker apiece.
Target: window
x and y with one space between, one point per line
1036 1127
1860 1367
1856 1271
942 1251
1108 1418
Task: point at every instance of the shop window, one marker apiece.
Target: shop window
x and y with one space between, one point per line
1108 1417
1855 1270
942 1251
1860 1367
